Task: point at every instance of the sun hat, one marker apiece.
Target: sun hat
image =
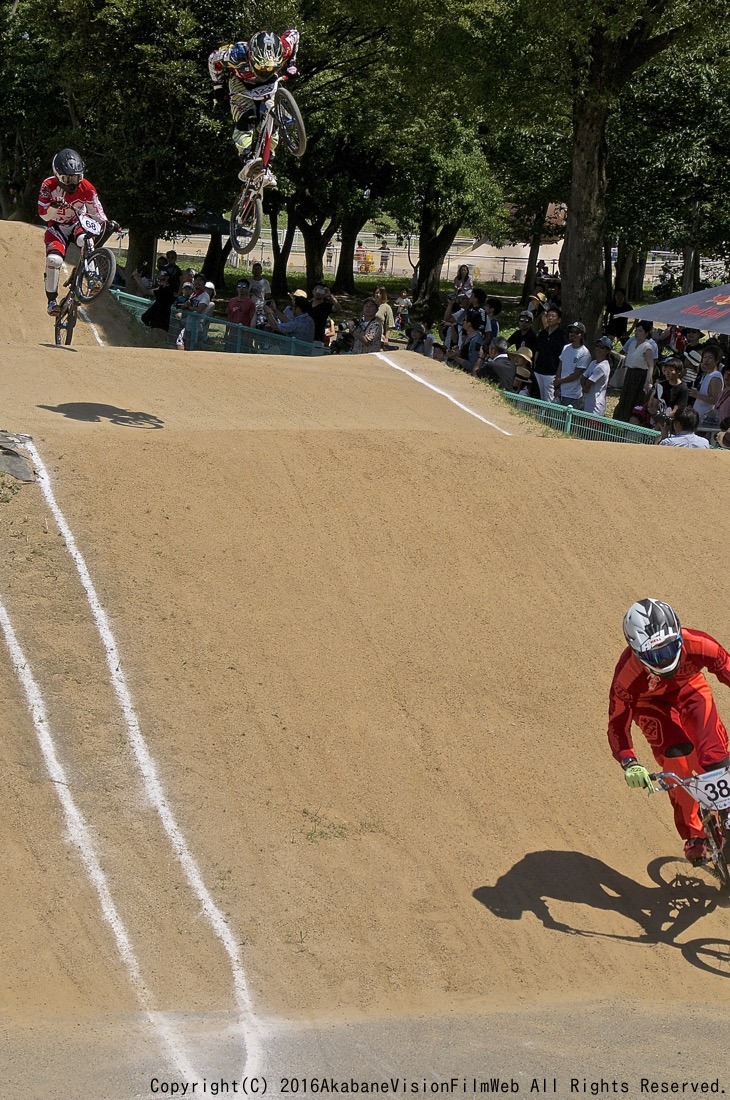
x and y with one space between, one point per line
694 356
418 327
298 294
539 297
722 439
523 353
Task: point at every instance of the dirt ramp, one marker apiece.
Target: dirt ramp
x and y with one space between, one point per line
27 324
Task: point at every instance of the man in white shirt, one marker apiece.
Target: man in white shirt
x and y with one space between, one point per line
684 424
594 380
574 358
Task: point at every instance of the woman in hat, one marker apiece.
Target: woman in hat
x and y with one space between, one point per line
538 308
419 341
522 358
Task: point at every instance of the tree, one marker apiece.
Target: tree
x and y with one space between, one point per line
598 46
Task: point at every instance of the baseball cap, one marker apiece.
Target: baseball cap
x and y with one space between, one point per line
577 326
526 315
210 286
604 342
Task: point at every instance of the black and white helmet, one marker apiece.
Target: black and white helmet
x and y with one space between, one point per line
654 633
68 168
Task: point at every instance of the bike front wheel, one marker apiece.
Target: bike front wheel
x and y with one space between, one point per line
95 274
289 123
246 218
66 322
718 846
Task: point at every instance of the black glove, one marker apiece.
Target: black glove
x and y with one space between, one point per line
218 96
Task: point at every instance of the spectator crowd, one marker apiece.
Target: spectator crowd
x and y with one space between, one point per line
669 379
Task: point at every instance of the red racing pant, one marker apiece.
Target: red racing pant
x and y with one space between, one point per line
686 735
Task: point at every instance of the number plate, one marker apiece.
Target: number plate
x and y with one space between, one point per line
263 91
712 789
90 225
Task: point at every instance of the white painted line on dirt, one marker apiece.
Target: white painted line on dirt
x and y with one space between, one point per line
148 771
464 408
94 329
81 838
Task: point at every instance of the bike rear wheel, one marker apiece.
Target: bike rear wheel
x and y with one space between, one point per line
94 274
246 218
289 123
66 321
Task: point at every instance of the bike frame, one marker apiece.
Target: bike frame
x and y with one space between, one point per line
262 146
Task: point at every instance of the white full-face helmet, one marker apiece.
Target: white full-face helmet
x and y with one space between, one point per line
654 633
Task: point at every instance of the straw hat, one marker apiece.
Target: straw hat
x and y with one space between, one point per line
522 353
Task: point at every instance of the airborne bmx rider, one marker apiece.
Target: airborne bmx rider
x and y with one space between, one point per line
251 66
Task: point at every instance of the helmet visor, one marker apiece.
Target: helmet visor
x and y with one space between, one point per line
663 659
71 181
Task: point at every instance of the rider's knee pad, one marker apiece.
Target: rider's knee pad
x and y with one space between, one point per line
53 270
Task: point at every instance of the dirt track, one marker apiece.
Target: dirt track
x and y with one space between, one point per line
369 641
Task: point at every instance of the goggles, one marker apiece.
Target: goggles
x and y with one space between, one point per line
664 657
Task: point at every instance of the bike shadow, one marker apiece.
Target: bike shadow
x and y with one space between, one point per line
95 413
58 347
662 912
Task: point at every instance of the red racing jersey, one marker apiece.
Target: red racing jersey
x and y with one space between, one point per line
633 684
84 200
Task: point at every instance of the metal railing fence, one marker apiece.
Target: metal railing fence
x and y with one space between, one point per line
581 425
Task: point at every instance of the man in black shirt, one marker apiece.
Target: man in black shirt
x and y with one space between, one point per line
524 336
549 344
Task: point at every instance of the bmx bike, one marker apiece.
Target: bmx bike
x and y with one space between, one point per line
92 275
278 112
711 791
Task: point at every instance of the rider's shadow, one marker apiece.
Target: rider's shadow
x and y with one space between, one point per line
94 413
662 912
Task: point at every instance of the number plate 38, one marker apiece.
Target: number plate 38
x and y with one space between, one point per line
712 789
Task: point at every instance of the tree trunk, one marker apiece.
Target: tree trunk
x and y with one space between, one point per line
345 278
696 272
316 237
581 261
213 264
625 262
635 278
538 227
140 250
433 244
279 285
688 267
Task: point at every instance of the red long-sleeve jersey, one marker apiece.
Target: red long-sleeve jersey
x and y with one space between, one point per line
634 685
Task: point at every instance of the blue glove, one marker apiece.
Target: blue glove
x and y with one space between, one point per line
638 777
